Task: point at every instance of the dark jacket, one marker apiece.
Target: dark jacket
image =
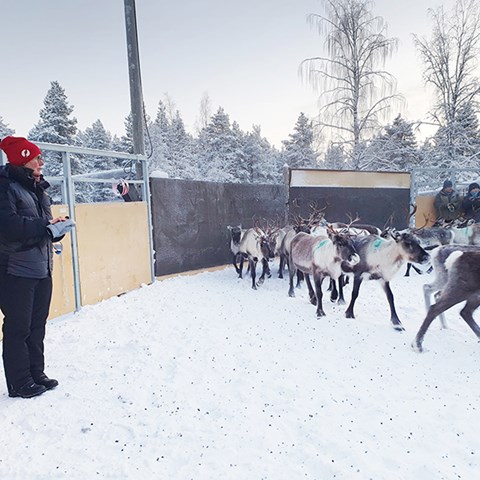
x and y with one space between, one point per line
471 207
25 212
448 205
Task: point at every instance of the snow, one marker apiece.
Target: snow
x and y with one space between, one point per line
200 377
158 174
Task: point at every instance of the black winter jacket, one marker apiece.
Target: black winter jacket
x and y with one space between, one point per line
25 212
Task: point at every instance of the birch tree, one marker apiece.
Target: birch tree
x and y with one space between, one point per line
450 59
356 91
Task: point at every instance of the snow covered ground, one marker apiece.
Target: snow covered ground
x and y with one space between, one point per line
200 377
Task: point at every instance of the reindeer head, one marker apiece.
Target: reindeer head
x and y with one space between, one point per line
411 247
267 246
344 245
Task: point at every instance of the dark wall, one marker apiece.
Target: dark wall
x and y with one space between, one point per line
190 219
373 205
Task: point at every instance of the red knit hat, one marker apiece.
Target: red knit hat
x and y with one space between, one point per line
19 150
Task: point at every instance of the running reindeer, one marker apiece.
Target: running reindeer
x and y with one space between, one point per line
457 280
258 245
380 259
320 257
236 233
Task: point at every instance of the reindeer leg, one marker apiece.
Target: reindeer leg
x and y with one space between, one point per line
281 266
318 279
235 263
397 324
240 267
253 267
467 312
311 292
265 270
443 321
417 269
341 284
334 291
444 303
291 272
407 273
357 281
300 277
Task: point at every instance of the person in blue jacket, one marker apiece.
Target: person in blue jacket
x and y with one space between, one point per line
27 231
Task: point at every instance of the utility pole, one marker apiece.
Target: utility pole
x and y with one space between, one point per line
136 96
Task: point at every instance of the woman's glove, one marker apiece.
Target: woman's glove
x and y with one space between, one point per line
59 229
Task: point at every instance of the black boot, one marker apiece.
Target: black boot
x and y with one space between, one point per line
29 390
42 379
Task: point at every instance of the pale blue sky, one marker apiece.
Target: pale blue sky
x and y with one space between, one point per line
245 54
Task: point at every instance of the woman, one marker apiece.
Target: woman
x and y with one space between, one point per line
26 234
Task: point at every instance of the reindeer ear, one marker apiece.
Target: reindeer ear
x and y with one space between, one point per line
395 234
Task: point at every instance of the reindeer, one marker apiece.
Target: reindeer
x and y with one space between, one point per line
439 257
380 259
257 245
320 257
236 233
458 278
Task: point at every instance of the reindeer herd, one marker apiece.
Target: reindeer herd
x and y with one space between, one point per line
313 249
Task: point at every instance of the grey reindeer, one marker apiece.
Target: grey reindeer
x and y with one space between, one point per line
457 270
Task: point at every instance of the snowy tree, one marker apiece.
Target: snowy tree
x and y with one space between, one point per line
298 151
205 113
218 149
335 157
160 137
356 91
4 130
450 65
57 126
395 149
126 140
181 150
261 160
98 138
456 144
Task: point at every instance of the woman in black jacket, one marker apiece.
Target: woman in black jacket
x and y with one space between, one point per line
26 234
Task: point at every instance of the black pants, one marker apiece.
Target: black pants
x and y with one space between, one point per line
25 303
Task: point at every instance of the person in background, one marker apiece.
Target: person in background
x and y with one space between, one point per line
27 230
447 203
471 202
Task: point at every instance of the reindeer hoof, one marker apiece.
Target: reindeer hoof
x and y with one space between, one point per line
291 294
320 314
313 300
349 314
398 327
341 301
417 347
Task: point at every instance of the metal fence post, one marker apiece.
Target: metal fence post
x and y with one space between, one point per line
70 192
146 198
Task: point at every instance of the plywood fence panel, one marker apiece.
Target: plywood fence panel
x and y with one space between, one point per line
63 296
114 250
425 214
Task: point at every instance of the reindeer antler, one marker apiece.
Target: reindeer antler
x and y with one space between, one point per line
352 220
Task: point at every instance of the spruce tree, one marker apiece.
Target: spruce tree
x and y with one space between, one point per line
57 126
4 130
298 150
